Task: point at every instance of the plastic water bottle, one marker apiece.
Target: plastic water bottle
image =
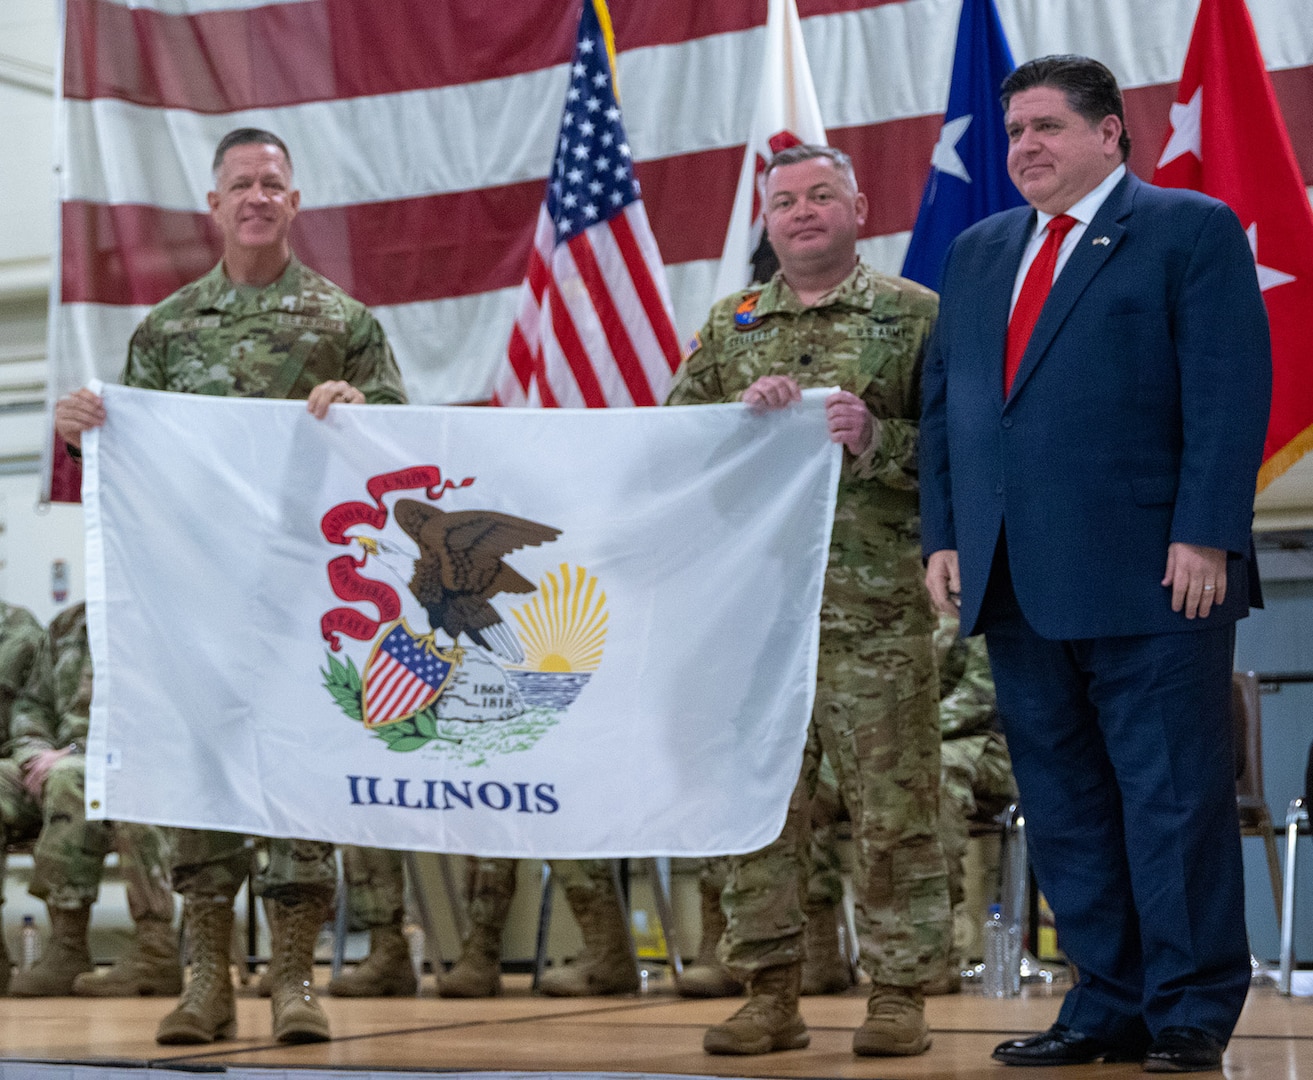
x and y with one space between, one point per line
29 940
1002 975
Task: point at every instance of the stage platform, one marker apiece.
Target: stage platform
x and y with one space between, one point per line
655 1034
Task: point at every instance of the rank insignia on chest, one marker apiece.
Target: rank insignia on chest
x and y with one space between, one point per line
745 315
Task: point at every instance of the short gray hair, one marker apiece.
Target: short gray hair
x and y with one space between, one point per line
248 137
792 155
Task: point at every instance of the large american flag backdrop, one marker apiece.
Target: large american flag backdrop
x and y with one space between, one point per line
423 133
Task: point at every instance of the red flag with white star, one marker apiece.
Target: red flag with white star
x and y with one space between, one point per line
1227 139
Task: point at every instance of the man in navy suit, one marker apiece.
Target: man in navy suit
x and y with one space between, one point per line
1087 495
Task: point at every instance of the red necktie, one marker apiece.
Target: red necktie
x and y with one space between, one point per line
1030 301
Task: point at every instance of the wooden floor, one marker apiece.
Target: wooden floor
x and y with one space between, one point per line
653 1033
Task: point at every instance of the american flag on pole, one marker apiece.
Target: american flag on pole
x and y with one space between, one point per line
595 326
403 676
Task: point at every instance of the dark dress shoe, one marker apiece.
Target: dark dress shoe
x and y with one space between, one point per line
1061 1045
1183 1049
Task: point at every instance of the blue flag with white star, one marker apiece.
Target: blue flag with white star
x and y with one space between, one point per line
968 169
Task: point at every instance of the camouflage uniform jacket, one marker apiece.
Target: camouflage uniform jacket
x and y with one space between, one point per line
868 336
55 706
212 337
20 641
967 705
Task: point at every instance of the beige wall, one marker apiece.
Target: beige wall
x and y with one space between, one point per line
31 538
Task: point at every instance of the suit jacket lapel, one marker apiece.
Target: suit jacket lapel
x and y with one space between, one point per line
1101 239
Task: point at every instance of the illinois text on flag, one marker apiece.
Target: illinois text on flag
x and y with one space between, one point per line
506 631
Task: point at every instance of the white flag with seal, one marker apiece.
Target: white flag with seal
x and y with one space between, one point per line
544 633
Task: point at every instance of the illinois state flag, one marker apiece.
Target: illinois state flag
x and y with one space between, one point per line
1227 139
538 632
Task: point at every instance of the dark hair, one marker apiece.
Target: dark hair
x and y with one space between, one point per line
791 155
248 136
1090 88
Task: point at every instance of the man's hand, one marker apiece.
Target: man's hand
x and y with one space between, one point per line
771 392
76 412
333 392
944 581
850 422
1197 576
37 768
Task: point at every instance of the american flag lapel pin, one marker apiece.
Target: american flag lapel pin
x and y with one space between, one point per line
1101 240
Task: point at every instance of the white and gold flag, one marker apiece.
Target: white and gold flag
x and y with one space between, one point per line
511 632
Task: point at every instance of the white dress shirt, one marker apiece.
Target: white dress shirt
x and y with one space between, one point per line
1083 212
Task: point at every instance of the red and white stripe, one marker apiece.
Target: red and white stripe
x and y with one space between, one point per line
594 320
423 133
393 691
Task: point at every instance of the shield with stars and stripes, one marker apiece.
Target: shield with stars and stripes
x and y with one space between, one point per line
404 675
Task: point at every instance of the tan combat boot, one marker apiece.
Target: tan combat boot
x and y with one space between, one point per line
825 970
149 966
895 1023
207 1010
477 974
769 1021
293 929
707 977
606 963
65 957
386 972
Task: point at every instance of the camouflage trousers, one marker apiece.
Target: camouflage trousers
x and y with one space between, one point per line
876 719
69 857
376 887
975 782
215 864
492 884
824 866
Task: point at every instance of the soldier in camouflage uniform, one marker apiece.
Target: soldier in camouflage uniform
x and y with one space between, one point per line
826 319
20 640
260 324
42 789
375 880
604 966
706 976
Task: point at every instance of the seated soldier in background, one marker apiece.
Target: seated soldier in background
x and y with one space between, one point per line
42 792
20 639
